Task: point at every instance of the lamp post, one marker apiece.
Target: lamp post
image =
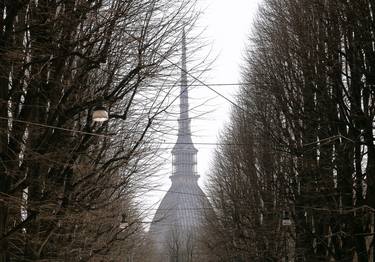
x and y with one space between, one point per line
286 219
286 222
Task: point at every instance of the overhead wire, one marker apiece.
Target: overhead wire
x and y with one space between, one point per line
55 127
167 59
210 84
145 142
200 81
316 208
110 136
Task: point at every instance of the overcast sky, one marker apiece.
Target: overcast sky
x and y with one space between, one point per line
228 26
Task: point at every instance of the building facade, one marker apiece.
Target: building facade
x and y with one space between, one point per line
176 226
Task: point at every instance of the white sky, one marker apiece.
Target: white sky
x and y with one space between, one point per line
227 27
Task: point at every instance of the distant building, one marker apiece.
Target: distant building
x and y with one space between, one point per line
176 225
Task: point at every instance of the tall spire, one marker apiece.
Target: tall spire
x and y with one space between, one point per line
184 122
184 152
183 61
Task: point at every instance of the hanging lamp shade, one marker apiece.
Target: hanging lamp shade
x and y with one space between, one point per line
124 224
286 219
100 114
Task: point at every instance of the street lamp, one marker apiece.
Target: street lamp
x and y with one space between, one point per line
286 219
286 222
100 114
124 224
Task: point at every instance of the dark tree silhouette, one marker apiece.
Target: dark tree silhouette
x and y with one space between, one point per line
65 180
309 129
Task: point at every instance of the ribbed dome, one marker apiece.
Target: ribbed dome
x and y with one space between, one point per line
180 213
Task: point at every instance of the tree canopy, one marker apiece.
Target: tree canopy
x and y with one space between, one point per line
300 146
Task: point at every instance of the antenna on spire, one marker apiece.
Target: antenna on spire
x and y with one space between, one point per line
183 60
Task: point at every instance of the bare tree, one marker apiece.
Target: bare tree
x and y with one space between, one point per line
310 127
182 245
65 180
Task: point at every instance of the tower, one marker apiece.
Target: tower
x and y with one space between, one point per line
176 224
184 154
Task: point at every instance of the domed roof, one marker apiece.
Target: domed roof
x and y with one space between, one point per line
180 213
183 204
